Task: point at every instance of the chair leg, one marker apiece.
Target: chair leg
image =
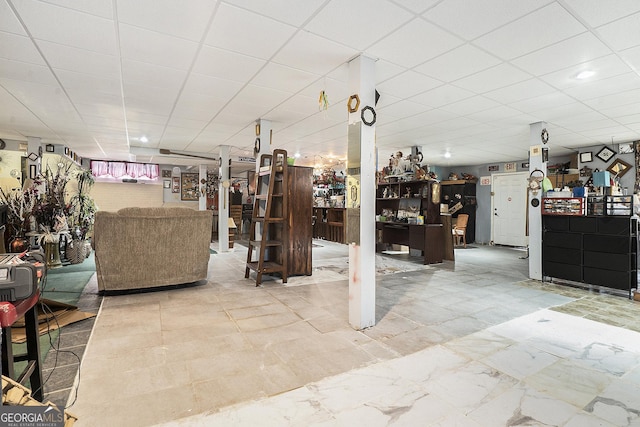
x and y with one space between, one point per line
464 240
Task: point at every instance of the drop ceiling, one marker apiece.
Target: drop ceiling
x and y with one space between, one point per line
467 77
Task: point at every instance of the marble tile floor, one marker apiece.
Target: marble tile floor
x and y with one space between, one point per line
467 343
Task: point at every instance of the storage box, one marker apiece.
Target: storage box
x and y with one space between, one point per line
602 179
619 205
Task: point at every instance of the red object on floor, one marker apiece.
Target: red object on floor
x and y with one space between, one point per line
9 313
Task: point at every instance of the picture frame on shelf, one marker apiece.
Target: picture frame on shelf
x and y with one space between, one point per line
586 157
605 154
619 167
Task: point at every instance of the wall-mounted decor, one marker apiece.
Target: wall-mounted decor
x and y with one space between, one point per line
166 183
175 185
166 173
619 167
189 184
586 157
50 148
625 148
510 167
494 168
605 154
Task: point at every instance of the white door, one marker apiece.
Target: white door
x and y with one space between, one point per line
509 208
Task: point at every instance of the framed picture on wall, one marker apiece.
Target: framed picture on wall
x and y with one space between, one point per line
605 154
586 157
166 183
166 173
625 148
175 185
189 186
619 168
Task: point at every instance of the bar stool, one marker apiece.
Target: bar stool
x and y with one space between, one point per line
9 313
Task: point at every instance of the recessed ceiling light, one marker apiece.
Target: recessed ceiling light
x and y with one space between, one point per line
447 155
144 139
585 74
297 155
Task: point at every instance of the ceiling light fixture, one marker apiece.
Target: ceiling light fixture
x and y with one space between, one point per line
585 74
447 155
297 155
143 139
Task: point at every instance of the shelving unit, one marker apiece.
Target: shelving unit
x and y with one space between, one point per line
460 196
398 206
269 233
564 206
597 250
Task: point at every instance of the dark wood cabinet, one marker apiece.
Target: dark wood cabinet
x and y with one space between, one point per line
597 250
398 205
300 207
460 197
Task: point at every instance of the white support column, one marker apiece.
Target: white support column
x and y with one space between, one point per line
536 161
34 160
361 195
202 199
223 200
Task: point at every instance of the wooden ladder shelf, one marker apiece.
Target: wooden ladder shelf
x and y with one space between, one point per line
269 232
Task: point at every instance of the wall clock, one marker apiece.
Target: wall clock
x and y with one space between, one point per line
605 154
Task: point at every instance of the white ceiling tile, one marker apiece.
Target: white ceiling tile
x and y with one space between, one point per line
283 78
525 35
292 12
19 48
472 19
442 95
8 20
413 52
52 23
493 78
357 23
493 114
457 63
152 75
597 12
416 6
257 35
632 57
186 20
180 122
308 52
101 8
616 102
198 106
471 105
401 109
610 86
26 72
80 60
384 70
605 67
541 102
158 119
212 86
576 50
622 34
407 84
80 81
621 111
155 48
225 64
527 89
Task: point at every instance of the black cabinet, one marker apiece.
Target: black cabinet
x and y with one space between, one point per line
597 250
460 196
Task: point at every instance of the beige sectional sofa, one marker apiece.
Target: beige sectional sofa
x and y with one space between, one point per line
138 248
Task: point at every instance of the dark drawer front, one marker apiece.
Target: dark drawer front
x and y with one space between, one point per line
610 244
611 279
618 226
608 261
555 223
562 255
583 224
562 240
562 271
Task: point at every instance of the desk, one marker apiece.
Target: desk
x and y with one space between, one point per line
428 238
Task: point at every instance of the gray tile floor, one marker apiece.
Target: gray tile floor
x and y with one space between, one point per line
163 356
